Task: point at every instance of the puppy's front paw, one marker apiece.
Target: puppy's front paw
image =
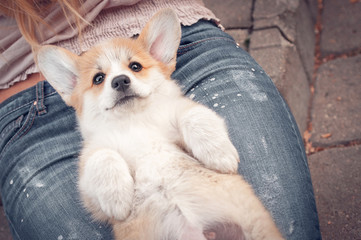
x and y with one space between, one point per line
226 159
106 183
219 155
205 136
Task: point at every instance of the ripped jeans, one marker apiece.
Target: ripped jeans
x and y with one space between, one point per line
39 144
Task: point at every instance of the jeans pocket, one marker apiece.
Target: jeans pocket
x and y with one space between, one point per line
16 127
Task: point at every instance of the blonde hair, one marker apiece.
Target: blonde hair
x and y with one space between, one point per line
27 14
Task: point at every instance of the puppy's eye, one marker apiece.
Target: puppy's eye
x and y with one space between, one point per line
98 78
135 66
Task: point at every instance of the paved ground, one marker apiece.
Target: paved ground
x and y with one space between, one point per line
312 51
335 141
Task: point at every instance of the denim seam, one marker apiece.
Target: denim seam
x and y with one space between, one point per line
40 98
36 103
13 229
26 126
183 49
24 105
301 150
16 109
23 130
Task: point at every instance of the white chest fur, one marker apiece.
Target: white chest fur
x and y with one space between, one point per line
135 136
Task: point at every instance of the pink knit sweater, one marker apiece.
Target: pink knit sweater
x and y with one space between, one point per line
108 18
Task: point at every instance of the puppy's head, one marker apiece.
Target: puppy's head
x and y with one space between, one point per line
118 75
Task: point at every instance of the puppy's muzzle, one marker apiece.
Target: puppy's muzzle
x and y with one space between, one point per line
121 83
124 94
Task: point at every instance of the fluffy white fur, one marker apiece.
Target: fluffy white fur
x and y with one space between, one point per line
158 166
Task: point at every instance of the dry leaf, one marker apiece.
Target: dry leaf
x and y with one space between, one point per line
308 145
326 135
312 89
306 135
309 148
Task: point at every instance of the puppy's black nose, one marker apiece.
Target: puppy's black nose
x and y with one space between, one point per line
121 83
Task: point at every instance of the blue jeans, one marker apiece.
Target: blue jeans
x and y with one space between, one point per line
39 144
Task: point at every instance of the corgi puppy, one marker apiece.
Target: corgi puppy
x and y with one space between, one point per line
154 164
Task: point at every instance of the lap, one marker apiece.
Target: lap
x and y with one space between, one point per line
38 149
214 71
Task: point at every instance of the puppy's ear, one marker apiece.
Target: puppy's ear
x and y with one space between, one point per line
58 66
161 36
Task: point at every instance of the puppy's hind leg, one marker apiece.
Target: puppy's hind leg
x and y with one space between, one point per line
225 206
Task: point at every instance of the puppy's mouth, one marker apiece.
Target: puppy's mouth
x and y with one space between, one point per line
123 100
